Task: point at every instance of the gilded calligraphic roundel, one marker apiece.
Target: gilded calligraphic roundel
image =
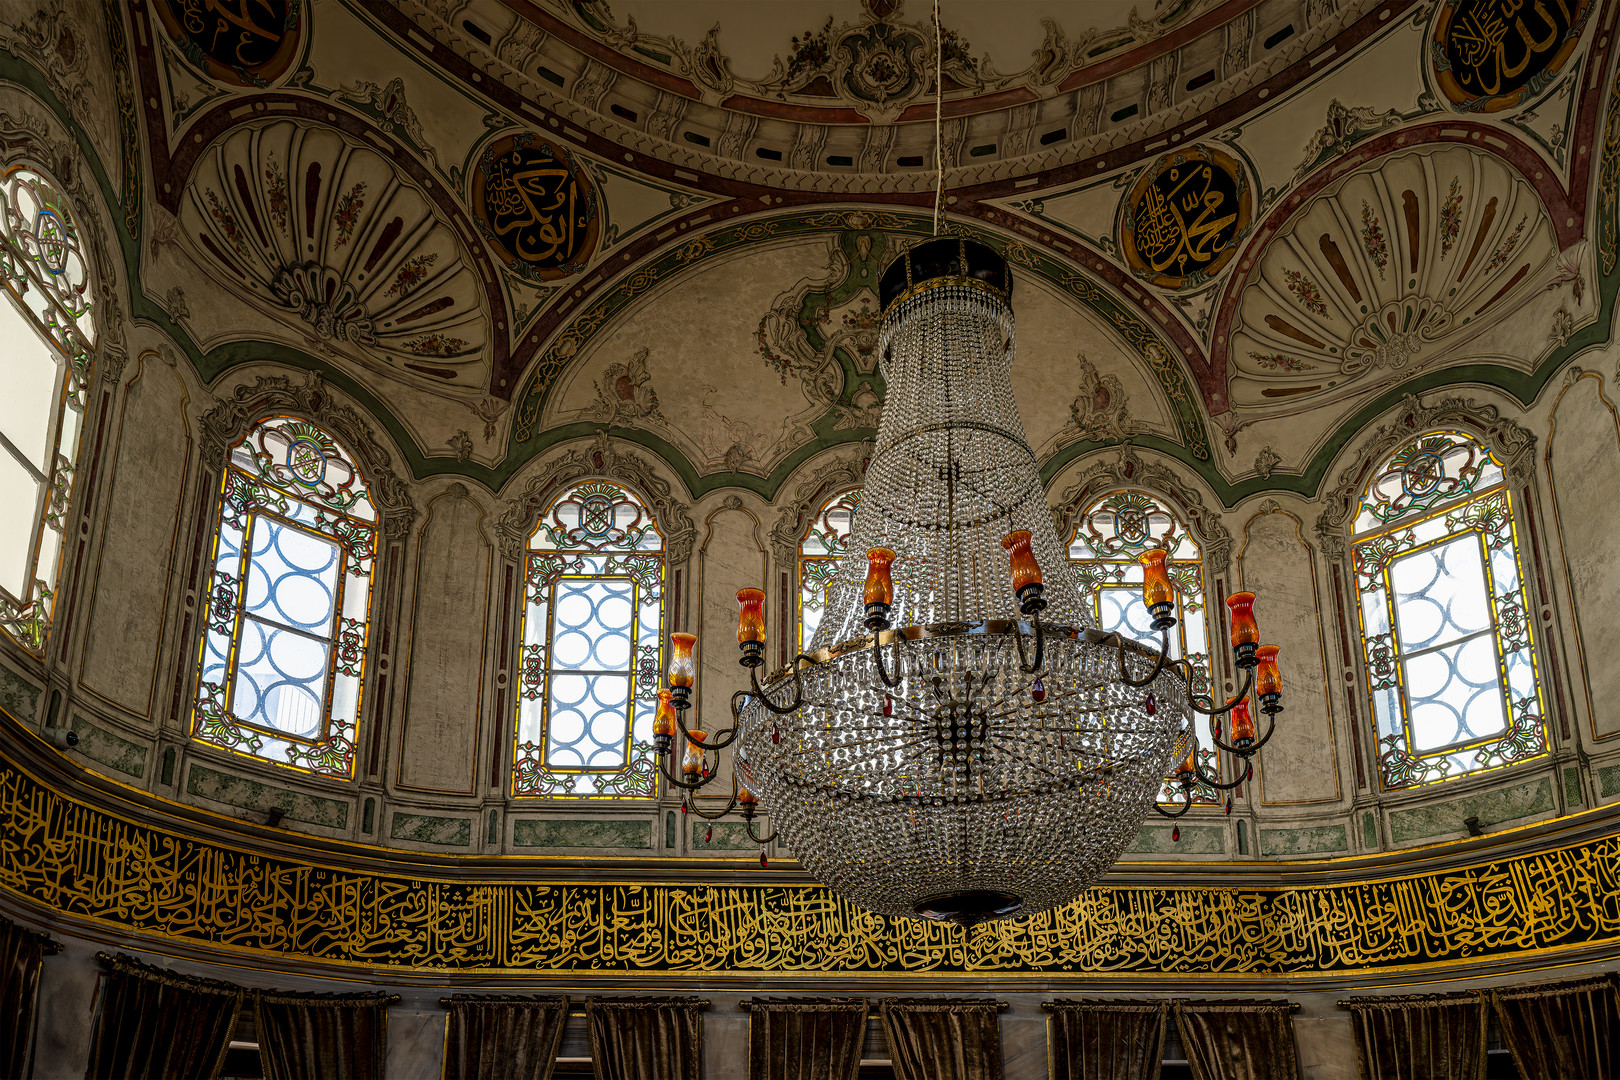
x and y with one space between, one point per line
240 42
536 207
1490 55
1185 217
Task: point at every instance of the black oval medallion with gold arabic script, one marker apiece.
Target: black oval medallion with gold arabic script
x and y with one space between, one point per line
1185 216
1489 54
536 207
241 42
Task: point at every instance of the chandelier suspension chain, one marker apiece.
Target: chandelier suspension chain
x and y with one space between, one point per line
939 98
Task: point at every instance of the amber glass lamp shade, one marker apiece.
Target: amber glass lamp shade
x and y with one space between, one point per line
1245 631
1267 679
1157 592
745 798
1242 725
751 618
880 576
664 720
1025 570
1188 769
692 760
682 667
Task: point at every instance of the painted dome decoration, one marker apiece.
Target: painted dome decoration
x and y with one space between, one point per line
240 44
308 223
1386 274
1490 56
535 207
1185 217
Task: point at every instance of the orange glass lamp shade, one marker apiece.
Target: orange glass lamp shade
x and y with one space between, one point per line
1267 679
1187 771
1157 592
663 722
746 799
682 667
751 626
1026 571
1245 631
692 760
1242 725
879 587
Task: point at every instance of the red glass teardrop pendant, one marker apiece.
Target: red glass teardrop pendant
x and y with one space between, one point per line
763 861
776 733
1037 693
708 834
1217 729
888 705
1175 835
1248 771
684 810
1150 705
1229 806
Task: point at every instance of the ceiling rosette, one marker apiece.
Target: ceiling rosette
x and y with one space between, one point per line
1386 274
309 224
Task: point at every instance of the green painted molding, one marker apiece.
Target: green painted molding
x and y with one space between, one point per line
1195 840
426 829
728 836
219 787
111 750
1495 807
1312 840
18 696
582 833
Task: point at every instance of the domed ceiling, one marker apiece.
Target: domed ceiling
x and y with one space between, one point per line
507 223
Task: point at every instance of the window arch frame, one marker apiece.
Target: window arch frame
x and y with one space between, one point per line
1192 573
69 337
359 540
843 500
1400 767
531 774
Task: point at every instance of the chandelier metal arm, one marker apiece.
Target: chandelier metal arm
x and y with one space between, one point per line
798 688
1215 781
1186 804
755 837
1040 647
1246 752
1242 695
1159 661
693 786
731 804
877 658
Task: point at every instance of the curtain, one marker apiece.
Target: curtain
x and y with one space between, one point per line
502 1038
1106 1040
155 1025
646 1038
943 1039
1238 1040
1419 1037
817 1039
1562 1029
323 1036
22 954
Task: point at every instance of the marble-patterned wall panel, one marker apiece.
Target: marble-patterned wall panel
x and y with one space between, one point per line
445 680
1300 764
1583 458
139 533
731 556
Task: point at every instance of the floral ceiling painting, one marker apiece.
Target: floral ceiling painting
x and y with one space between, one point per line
304 222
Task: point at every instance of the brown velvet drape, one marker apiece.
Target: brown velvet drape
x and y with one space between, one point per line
1562 1029
322 1036
806 1039
943 1039
502 1038
1419 1037
155 1025
1106 1040
646 1038
1238 1040
22 954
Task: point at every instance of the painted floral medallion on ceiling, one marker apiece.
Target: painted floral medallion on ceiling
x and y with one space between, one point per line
303 221
1491 55
536 207
238 42
1185 216
1387 274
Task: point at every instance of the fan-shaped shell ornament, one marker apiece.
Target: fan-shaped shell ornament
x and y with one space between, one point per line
1387 273
308 223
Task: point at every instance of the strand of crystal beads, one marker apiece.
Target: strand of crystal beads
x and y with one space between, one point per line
969 774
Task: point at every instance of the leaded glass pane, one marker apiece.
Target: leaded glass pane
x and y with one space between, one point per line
286 624
825 542
46 322
1108 537
1450 662
592 633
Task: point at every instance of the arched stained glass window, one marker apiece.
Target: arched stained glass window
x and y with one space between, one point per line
825 542
592 648
48 333
1451 667
1107 538
286 630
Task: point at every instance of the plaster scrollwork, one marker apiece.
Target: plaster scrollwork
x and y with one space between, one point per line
837 474
222 426
1127 468
1513 444
603 457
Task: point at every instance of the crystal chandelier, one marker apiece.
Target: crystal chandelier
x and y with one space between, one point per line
960 742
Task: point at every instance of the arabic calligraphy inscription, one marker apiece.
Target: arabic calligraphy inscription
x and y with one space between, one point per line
242 42
1490 54
1185 217
536 207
